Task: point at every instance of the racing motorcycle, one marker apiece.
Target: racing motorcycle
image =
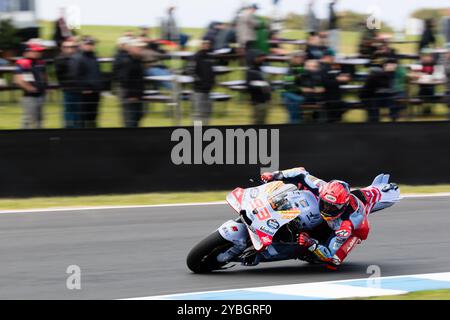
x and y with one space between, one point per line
270 217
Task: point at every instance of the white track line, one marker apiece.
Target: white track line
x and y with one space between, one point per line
193 204
426 195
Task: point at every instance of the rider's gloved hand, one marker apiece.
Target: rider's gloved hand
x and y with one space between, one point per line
267 177
304 240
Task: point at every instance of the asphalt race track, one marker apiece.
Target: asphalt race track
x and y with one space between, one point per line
126 253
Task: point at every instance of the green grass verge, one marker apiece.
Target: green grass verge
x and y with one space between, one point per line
419 295
150 199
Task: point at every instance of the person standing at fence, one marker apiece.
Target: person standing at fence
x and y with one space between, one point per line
315 48
62 31
31 77
333 27
428 38
312 22
202 69
333 77
120 55
258 87
246 25
446 28
292 93
170 30
312 83
71 113
447 73
384 88
88 80
131 76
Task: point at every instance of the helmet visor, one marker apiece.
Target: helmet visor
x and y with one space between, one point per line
329 210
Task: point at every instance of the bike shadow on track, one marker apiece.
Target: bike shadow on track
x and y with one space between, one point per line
354 269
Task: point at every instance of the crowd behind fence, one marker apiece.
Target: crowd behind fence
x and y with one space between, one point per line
245 63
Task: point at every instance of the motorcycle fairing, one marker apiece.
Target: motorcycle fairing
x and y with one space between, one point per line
255 205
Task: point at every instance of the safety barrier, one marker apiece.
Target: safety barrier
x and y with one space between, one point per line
105 161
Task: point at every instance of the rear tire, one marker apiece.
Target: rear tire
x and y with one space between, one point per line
203 257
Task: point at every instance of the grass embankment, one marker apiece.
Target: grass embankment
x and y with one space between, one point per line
151 199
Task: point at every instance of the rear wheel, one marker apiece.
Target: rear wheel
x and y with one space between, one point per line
203 257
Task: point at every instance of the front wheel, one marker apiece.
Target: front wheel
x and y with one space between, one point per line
203 257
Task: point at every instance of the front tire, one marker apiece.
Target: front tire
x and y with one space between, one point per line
203 257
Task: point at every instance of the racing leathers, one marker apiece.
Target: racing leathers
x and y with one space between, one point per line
351 228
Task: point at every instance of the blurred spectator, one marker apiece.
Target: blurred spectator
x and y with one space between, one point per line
312 22
333 77
367 46
225 36
383 52
447 73
292 93
383 88
211 32
325 42
312 82
276 48
70 98
262 35
130 76
144 33
446 27
88 79
31 77
152 59
3 62
315 48
427 91
121 54
170 30
258 87
428 37
333 27
62 31
246 25
204 81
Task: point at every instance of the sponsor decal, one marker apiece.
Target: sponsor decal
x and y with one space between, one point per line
330 198
238 194
234 229
273 224
266 230
254 193
296 211
289 214
271 187
304 204
343 233
266 240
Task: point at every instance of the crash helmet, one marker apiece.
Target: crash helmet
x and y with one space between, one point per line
333 199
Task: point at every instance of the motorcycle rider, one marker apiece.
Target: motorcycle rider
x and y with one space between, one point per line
344 211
